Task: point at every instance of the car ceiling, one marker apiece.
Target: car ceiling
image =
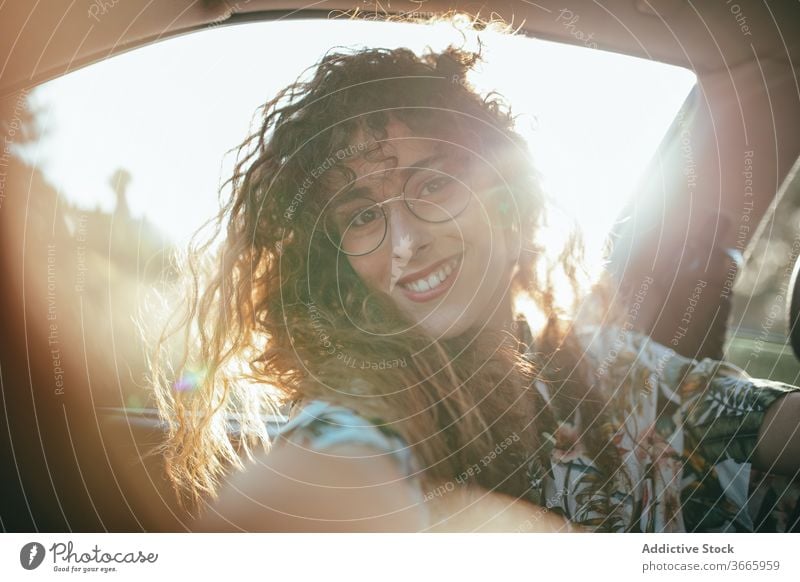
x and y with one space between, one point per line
40 40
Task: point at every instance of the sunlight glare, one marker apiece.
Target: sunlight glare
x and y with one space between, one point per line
169 112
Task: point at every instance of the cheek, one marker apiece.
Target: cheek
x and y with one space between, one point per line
484 234
492 260
371 269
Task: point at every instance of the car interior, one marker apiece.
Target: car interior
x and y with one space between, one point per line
712 223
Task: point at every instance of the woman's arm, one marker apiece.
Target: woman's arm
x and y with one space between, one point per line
353 488
479 510
778 447
294 489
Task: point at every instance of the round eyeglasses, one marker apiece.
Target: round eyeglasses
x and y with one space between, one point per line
357 225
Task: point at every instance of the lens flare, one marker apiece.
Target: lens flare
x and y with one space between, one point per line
189 380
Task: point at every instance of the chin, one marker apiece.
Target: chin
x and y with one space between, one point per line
444 326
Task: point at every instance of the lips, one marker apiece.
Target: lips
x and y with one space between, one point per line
432 281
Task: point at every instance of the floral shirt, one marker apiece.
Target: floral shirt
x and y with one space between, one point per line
685 430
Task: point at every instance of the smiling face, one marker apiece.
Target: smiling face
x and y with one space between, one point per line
446 273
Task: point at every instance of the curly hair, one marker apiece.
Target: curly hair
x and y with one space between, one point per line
270 300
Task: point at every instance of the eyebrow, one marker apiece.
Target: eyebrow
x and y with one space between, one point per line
407 172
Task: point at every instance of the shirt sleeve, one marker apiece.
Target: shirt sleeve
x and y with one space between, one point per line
724 409
721 408
320 425
711 412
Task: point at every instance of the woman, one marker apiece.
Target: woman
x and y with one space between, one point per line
381 233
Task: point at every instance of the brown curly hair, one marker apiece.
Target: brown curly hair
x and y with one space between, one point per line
268 302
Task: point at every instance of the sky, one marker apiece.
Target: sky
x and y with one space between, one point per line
169 112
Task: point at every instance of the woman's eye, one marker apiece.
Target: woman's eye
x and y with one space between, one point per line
363 217
435 185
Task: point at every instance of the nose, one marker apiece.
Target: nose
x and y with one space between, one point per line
407 233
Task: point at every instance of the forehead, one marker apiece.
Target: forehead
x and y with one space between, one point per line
379 158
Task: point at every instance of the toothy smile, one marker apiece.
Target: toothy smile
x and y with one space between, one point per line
432 281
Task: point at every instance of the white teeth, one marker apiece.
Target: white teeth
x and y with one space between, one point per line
433 280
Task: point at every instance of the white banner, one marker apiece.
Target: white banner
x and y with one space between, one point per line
401 557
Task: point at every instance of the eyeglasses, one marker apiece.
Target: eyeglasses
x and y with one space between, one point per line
358 225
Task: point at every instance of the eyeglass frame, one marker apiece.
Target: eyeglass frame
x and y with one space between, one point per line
380 206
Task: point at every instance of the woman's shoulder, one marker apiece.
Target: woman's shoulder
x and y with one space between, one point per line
614 349
327 470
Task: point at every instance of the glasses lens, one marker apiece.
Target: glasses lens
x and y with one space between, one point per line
356 226
442 193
